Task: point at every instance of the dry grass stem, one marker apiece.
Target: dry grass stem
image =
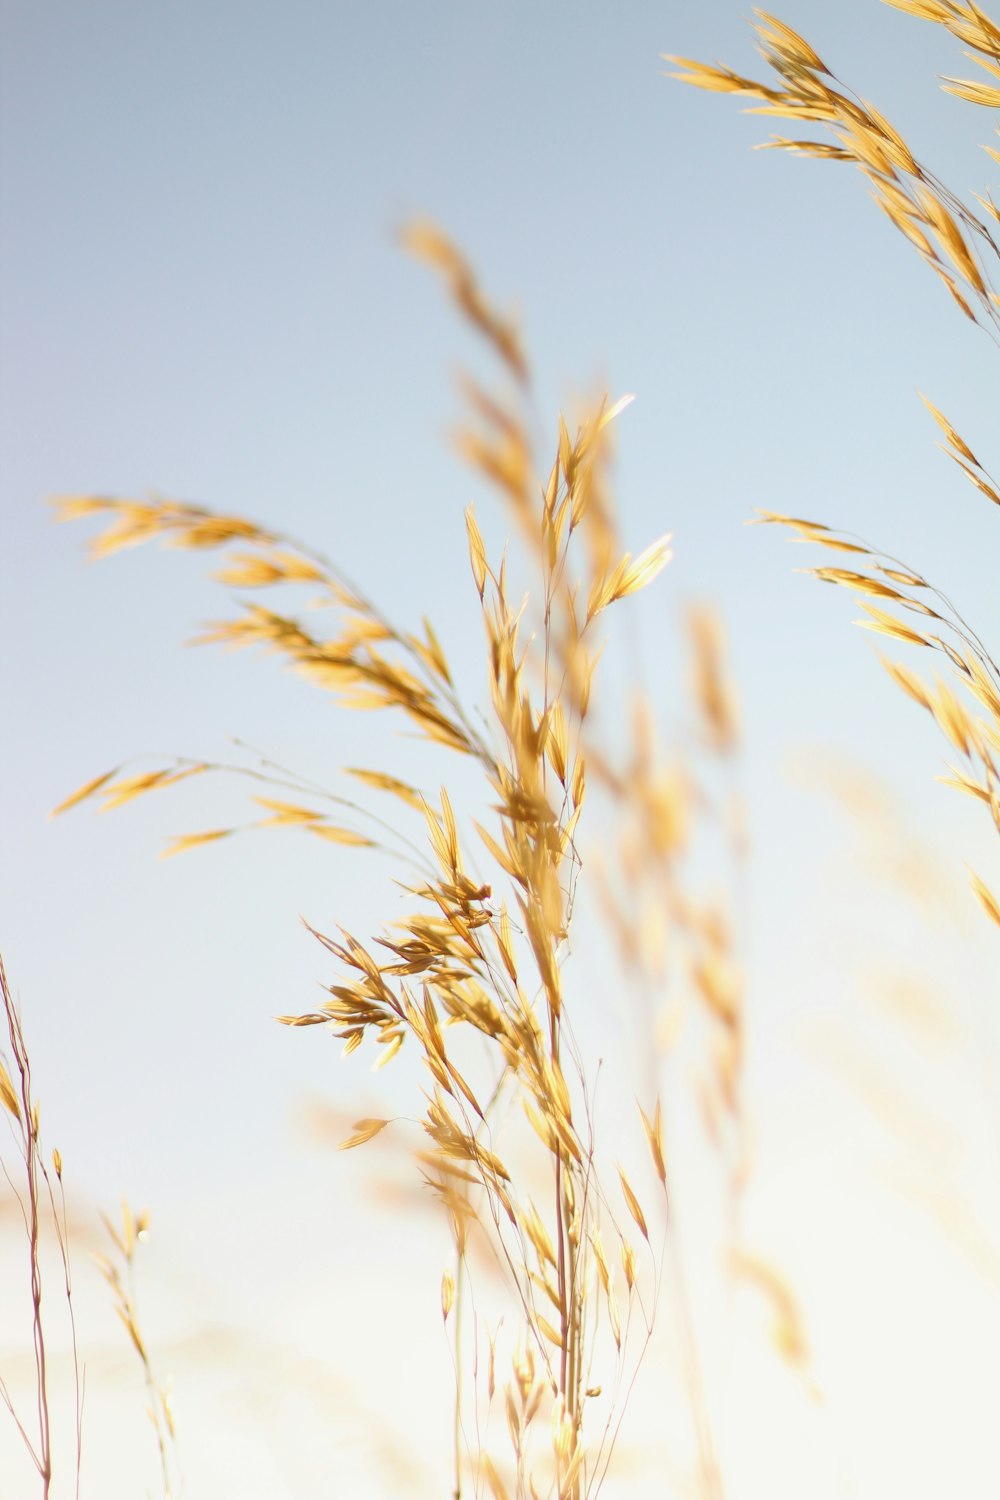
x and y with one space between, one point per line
118 1270
474 959
17 1099
957 245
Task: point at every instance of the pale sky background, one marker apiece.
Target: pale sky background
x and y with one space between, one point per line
203 296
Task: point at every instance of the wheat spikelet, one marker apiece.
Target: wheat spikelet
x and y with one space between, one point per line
949 237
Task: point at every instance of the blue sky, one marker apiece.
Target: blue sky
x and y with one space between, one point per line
203 295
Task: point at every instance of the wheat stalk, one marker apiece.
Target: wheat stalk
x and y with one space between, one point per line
961 250
17 1099
467 962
